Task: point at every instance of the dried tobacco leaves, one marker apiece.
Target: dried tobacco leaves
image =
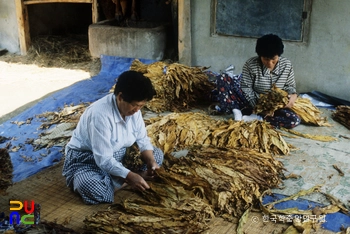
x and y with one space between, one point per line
189 191
309 113
6 170
311 136
271 101
342 115
65 121
69 114
277 98
182 130
178 86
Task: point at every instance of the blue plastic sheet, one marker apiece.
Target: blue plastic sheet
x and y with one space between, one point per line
26 161
333 222
322 100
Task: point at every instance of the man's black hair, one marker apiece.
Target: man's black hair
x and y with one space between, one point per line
134 86
269 46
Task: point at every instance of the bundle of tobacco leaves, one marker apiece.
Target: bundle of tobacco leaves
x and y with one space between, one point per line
178 87
189 191
309 113
271 101
181 130
342 115
277 98
6 170
132 159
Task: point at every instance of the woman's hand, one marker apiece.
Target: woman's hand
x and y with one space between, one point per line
148 157
136 181
292 98
151 169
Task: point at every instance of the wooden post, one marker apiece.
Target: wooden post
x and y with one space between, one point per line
94 11
23 26
184 40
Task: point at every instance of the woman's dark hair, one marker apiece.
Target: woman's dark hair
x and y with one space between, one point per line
134 86
269 46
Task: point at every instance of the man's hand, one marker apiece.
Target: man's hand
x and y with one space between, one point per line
292 98
136 181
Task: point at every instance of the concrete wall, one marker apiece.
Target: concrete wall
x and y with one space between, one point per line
323 64
8 26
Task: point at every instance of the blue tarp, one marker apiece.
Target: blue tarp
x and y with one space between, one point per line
26 161
333 222
328 99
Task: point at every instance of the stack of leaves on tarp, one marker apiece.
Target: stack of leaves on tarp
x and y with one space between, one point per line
178 86
65 121
342 115
6 170
190 191
68 114
277 98
181 130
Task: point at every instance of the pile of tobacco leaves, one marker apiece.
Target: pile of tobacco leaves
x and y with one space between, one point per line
189 191
342 115
6 170
178 87
182 130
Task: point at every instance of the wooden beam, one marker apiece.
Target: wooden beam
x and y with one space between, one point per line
94 7
28 2
23 26
184 40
